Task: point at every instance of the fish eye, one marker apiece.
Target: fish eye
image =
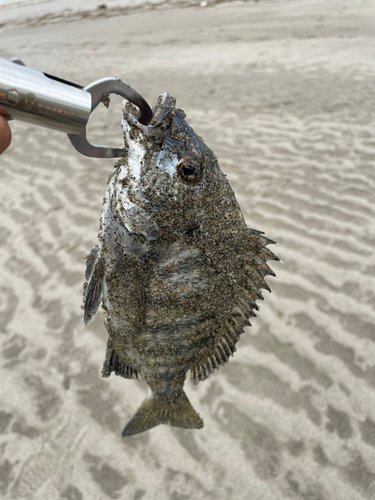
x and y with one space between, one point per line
189 169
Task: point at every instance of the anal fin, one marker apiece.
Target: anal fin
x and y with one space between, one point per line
112 363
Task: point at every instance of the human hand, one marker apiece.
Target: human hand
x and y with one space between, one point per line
5 134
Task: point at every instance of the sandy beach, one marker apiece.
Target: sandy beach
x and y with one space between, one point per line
283 93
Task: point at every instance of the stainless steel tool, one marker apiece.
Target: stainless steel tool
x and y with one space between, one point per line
32 96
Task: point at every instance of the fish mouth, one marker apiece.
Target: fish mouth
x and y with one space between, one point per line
157 129
143 144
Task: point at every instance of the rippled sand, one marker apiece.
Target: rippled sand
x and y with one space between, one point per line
284 95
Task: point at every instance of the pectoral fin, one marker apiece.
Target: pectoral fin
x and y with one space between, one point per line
94 284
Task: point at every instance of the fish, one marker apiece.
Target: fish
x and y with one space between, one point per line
175 267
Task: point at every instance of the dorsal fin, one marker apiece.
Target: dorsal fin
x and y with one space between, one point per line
254 269
223 347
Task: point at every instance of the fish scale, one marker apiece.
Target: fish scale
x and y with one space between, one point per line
176 269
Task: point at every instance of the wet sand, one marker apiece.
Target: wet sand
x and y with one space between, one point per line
284 95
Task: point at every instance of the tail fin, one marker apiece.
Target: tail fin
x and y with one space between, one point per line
151 413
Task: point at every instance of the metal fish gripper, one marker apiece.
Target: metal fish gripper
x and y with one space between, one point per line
33 96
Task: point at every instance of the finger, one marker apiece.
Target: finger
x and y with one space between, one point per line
5 134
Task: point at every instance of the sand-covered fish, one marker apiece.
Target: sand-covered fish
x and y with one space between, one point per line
175 267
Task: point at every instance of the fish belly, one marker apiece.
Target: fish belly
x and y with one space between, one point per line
153 311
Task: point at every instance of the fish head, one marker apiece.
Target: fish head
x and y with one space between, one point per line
169 180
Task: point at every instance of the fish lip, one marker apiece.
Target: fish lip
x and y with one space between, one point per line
160 124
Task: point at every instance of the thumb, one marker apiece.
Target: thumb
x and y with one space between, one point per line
5 134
